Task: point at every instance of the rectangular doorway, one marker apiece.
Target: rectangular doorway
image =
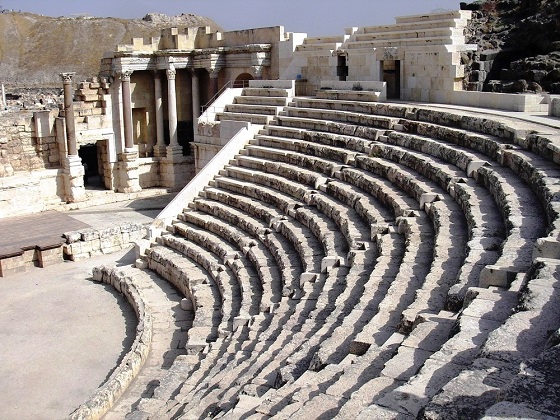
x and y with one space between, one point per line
391 71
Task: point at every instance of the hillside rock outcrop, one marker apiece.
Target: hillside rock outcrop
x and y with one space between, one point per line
34 49
519 46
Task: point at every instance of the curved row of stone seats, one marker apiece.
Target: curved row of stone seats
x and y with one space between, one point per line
304 242
521 261
272 184
332 241
245 267
196 285
289 341
486 227
232 305
425 194
533 169
510 306
251 235
362 144
317 366
256 105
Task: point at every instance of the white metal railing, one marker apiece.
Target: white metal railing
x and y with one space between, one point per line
229 84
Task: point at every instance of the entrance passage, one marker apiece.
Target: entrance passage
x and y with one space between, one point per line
242 80
88 154
391 70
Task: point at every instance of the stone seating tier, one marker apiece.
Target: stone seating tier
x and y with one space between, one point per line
381 259
408 34
419 22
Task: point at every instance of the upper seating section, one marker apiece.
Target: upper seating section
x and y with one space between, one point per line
439 29
382 256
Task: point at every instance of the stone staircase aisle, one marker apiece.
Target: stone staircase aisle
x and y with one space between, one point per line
170 323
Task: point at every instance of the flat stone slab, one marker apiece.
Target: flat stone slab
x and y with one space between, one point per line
43 230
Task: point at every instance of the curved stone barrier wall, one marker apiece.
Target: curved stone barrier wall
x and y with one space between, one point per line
106 395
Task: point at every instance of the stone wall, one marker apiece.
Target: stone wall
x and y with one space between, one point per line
89 242
20 147
148 172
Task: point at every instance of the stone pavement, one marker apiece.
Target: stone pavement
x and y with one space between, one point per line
62 334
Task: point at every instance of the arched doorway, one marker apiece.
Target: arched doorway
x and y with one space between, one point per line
242 80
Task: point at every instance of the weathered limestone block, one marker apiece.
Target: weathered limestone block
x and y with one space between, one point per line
127 170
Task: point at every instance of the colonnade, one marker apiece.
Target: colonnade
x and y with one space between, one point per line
160 149
127 178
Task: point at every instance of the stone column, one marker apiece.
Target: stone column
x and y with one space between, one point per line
195 98
159 148
73 171
127 166
72 148
127 111
213 81
172 107
173 169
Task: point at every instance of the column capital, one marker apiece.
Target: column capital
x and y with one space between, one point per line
257 71
214 72
125 75
157 74
67 77
171 73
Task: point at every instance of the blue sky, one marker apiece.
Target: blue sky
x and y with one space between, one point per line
316 17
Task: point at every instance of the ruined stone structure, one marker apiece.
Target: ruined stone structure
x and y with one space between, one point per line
341 255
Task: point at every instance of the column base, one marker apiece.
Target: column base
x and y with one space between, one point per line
160 151
73 175
174 153
175 170
127 172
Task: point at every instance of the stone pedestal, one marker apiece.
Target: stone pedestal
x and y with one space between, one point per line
73 174
175 169
160 151
127 169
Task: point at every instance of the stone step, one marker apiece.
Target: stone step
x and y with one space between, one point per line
252 118
409 42
315 47
262 100
420 22
252 109
306 147
408 33
329 116
266 91
351 95
320 165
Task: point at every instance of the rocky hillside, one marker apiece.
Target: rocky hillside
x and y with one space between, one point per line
519 46
34 49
